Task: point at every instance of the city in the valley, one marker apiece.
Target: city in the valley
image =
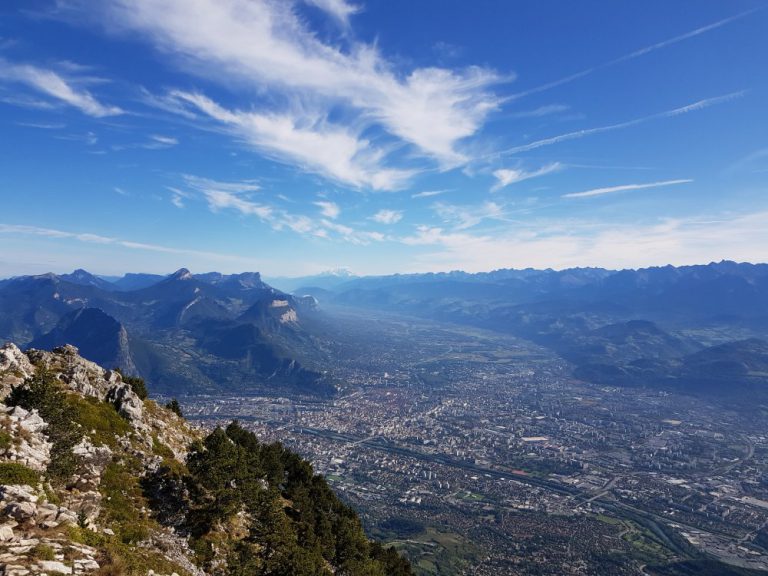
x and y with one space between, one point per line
466 447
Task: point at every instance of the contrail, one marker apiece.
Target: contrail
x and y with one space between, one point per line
624 187
635 54
699 105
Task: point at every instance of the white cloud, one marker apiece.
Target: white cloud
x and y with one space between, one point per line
568 244
507 176
340 10
163 141
156 142
219 199
624 187
545 110
266 46
359 237
387 216
314 144
238 187
42 125
463 217
328 209
235 196
58 87
178 196
89 238
428 193
226 195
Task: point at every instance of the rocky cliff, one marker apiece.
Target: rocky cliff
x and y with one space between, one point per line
96 480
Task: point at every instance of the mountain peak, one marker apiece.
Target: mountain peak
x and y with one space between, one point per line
341 272
181 274
80 273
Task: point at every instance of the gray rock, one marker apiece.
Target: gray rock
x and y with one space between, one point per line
18 493
54 566
21 511
6 533
14 368
128 404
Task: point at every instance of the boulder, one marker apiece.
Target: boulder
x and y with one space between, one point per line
21 511
128 404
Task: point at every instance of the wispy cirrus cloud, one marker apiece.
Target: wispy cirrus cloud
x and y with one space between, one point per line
386 216
340 10
507 176
237 197
227 195
541 111
693 106
328 209
266 46
57 86
464 217
625 188
429 193
90 238
153 142
331 150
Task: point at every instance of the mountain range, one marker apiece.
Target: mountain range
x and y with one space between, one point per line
658 326
207 333
184 333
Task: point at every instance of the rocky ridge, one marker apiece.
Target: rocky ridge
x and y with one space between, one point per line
49 528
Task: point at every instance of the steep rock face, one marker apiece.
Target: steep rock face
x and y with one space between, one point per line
94 480
97 335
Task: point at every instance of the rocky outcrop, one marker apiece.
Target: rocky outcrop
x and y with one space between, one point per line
91 380
129 438
14 368
28 444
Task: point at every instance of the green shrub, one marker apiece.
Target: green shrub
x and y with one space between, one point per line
6 440
122 503
43 393
15 473
99 420
137 384
175 407
43 552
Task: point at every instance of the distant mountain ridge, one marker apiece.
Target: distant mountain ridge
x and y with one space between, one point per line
203 333
174 330
650 326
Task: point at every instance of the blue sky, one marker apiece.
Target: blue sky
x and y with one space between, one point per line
383 136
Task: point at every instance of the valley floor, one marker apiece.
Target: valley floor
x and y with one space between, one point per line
477 453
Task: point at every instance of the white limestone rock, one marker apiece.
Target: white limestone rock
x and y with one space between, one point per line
14 368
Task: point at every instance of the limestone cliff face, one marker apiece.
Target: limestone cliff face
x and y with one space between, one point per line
98 336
